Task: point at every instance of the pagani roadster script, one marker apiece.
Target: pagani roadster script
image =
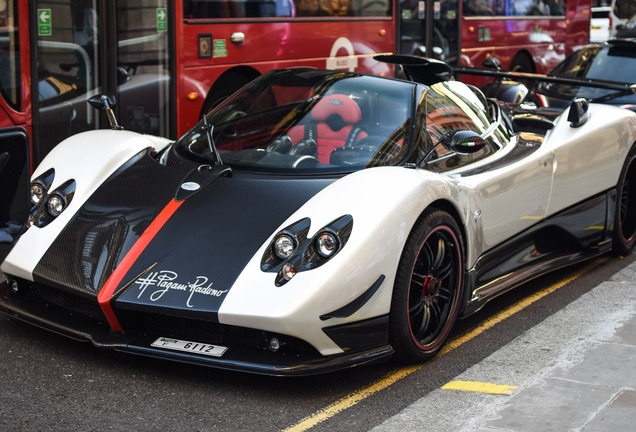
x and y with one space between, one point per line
159 283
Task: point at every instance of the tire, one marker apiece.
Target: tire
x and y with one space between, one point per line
522 63
427 289
624 236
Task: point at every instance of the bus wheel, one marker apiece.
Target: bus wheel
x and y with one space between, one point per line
224 87
522 63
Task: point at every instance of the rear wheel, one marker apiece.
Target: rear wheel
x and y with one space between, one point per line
427 289
625 216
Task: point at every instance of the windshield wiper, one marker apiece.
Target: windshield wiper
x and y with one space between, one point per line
209 130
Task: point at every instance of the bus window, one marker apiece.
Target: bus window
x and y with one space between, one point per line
624 9
143 61
197 9
9 55
67 72
194 9
513 8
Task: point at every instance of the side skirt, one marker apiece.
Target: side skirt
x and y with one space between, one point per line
574 235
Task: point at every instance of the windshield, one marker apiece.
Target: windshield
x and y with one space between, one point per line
306 120
613 63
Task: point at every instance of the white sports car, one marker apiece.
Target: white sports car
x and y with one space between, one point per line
317 220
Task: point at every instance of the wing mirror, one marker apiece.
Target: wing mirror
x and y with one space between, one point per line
106 102
578 114
492 63
464 142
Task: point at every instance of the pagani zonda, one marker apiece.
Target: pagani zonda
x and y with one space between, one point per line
317 220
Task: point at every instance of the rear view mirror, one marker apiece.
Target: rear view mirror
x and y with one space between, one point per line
105 102
578 114
465 141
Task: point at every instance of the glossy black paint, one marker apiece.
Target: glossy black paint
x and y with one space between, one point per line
355 305
24 306
198 253
100 234
578 233
14 174
360 335
208 242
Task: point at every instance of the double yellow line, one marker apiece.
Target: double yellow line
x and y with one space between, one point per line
355 397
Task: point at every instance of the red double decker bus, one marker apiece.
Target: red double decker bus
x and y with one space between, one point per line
525 35
169 61
165 61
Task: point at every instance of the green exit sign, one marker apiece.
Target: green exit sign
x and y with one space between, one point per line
162 19
45 27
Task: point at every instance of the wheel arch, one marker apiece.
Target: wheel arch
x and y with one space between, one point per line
450 208
440 211
523 58
453 211
229 81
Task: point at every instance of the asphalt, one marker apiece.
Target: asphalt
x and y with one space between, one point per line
575 371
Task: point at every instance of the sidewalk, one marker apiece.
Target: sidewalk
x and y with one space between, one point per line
575 371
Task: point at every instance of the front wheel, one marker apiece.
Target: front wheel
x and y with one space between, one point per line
427 288
625 214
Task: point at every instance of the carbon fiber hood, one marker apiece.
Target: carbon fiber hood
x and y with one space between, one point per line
190 264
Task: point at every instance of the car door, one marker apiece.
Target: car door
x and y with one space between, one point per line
508 183
511 192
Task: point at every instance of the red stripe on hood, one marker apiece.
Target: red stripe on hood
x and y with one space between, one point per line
116 277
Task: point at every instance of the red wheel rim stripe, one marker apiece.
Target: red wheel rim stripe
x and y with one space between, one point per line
454 309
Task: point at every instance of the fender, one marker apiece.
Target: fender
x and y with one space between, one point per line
385 205
89 158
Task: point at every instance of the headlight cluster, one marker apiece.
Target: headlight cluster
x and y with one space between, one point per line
47 205
292 251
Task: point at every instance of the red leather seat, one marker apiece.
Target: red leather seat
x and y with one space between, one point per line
334 124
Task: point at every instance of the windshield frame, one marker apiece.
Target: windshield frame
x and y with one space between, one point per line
248 126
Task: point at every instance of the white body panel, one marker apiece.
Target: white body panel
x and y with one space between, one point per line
571 165
589 159
385 204
383 201
89 158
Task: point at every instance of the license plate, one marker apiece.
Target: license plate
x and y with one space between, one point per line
190 347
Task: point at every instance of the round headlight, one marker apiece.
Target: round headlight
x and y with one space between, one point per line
326 244
37 193
284 246
56 205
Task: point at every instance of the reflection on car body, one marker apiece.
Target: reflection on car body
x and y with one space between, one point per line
318 220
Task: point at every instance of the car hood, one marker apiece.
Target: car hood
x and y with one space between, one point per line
143 240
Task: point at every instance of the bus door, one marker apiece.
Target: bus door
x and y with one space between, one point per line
86 47
15 125
430 28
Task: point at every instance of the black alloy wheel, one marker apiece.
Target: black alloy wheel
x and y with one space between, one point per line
625 217
427 289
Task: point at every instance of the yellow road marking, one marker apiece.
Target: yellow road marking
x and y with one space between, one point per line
355 397
476 386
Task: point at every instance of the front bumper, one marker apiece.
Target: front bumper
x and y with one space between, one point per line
250 356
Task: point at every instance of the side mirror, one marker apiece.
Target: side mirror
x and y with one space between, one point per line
492 63
465 142
122 76
578 114
105 102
